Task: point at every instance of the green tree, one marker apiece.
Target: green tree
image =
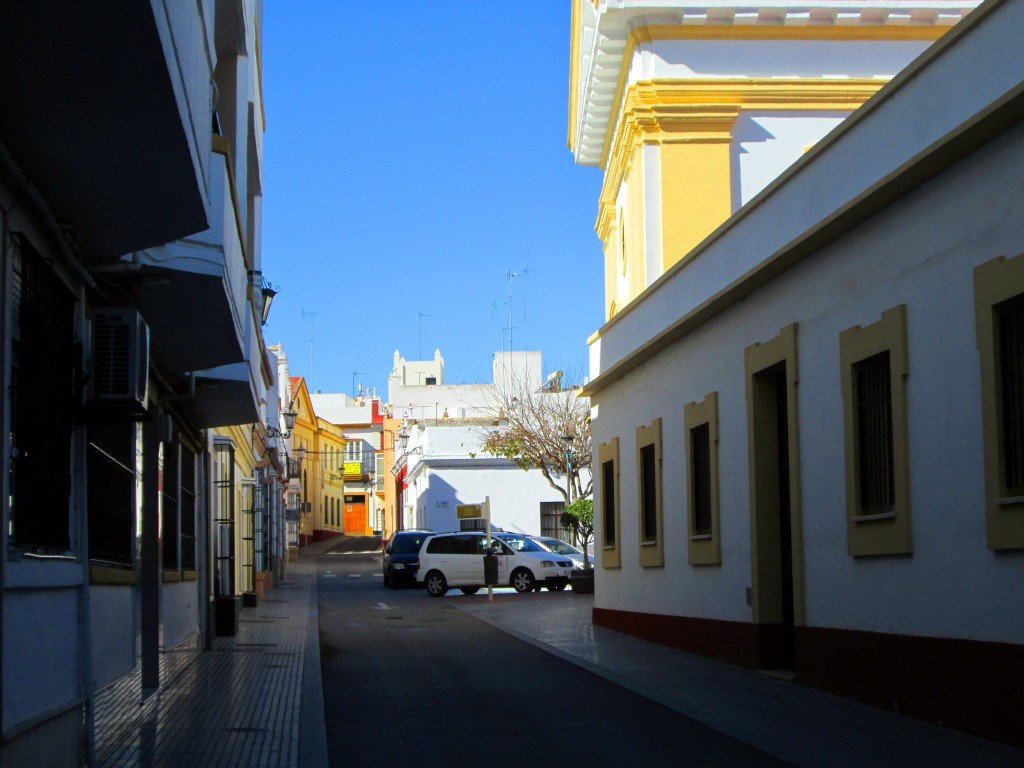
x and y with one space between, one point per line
579 518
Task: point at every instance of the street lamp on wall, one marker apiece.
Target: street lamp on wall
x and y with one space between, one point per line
268 297
289 417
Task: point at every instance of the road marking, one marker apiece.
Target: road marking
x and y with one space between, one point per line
355 575
383 607
359 552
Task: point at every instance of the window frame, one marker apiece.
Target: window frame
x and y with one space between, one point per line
41 400
888 532
111 461
996 282
703 548
652 551
611 550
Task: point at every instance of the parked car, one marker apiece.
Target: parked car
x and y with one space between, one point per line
563 548
449 560
525 542
401 558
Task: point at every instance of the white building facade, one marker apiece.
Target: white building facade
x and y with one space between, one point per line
131 297
823 475
443 464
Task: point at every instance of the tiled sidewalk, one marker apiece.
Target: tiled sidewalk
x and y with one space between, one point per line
236 705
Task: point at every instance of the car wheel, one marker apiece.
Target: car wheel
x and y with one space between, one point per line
556 587
522 580
469 590
436 584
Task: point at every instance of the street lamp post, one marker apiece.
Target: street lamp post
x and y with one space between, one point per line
568 469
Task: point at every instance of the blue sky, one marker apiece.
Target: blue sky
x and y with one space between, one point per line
414 155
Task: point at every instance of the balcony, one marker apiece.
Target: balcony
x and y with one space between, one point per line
96 111
197 286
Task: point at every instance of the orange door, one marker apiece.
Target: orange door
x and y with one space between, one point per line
355 516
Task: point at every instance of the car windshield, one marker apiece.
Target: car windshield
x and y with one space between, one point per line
560 547
523 544
406 545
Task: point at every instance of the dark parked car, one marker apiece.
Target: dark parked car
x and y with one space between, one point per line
402 557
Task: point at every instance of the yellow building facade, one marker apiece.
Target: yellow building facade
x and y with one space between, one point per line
327 465
691 111
304 441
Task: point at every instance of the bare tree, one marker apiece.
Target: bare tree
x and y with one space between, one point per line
531 428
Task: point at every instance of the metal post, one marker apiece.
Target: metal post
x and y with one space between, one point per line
490 541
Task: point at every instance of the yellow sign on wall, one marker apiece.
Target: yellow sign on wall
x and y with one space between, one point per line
468 511
353 468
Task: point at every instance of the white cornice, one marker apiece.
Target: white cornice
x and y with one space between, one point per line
605 39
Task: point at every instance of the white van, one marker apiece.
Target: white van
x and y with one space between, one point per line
457 560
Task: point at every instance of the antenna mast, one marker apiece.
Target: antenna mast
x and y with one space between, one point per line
310 315
419 334
510 275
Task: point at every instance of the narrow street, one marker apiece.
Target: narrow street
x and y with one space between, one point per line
412 679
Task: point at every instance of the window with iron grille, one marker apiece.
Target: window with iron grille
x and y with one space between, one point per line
648 493
610 514
111 470
874 434
1011 369
248 536
261 520
874 360
700 457
42 390
223 467
999 332
187 508
169 505
551 520
608 501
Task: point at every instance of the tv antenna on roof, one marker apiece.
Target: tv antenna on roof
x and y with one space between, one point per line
419 334
510 274
310 315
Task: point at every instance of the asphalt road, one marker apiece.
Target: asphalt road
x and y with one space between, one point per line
411 680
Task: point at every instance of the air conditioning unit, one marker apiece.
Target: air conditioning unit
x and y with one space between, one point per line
120 360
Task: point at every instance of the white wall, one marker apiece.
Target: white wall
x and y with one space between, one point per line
920 252
772 58
453 469
766 143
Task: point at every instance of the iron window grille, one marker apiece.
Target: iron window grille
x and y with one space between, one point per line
608 501
551 521
187 508
873 400
649 493
700 456
170 511
224 519
42 402
1011 380
248 536
112 476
